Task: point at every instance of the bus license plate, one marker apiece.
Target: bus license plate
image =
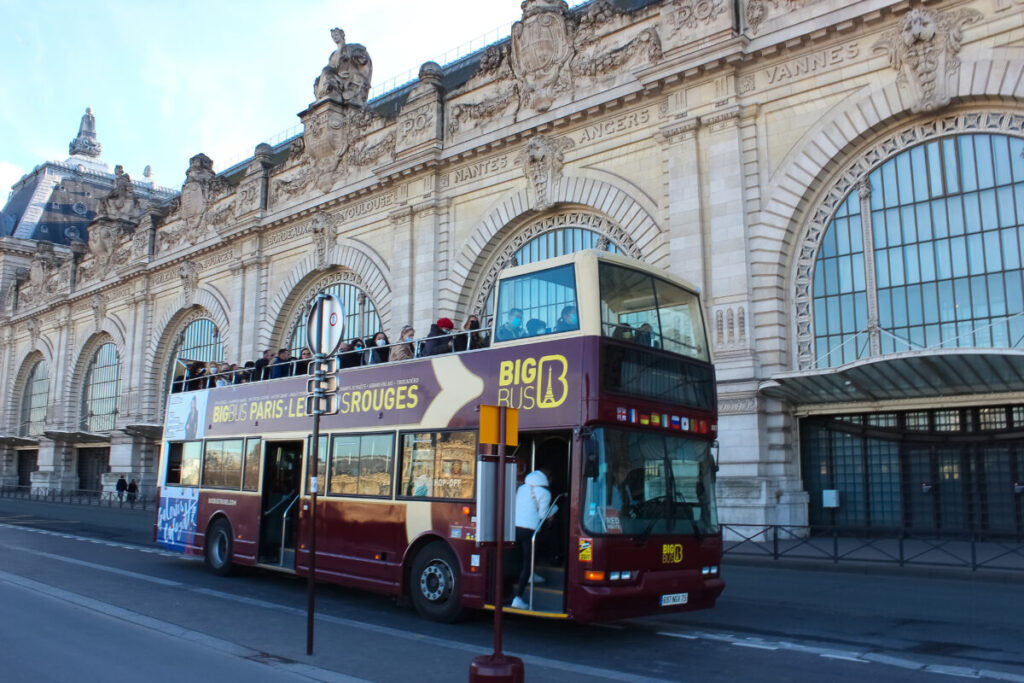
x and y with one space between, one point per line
674 599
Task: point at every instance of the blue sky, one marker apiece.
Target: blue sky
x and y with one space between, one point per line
167 80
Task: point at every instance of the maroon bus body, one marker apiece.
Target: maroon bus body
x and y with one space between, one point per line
364 544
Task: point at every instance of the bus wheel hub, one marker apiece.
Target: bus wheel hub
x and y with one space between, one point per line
434 581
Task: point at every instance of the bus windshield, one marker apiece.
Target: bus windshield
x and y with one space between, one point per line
640 483
649 311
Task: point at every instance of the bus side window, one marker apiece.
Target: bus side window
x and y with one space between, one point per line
438 465
173 464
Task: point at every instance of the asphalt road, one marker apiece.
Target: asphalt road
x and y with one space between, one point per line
87 597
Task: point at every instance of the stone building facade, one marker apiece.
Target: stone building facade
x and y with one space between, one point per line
743 145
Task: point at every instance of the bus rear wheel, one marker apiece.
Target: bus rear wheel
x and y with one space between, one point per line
436 589
218 547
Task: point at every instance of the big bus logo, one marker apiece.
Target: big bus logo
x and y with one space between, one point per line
671 553
529 383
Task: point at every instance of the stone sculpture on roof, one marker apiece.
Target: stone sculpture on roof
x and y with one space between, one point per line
121 204
85 143
346 78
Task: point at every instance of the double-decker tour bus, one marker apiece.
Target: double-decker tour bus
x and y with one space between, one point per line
607 362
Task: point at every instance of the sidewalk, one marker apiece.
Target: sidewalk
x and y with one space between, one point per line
123 524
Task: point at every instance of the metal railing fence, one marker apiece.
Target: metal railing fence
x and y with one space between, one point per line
108 499
903 547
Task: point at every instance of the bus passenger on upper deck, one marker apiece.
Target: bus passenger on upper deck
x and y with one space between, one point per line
513 327
568 321
351 355
404 350
261 370
438 341
282 365
470 337
379 351
536 327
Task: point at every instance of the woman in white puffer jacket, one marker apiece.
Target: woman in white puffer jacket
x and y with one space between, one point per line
532 501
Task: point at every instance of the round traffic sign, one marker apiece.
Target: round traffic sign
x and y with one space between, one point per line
325 324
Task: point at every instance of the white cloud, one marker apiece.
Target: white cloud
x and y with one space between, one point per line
9 174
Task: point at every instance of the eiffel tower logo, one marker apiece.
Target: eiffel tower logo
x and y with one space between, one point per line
549 396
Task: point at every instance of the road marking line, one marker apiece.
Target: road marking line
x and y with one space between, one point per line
756 646
100 567
845 658
958 671
685 636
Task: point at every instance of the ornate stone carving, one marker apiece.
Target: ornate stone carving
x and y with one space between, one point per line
551 53
541 50
687 15
189 274
754 14
48 275
329 149
99 309
323 229
197 195
103 241
542 163
346 78
924 51
32 326
876 155
730 330
86 144
121 204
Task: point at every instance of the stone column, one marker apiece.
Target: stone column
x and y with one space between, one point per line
8 467
132 455
57 467
403 274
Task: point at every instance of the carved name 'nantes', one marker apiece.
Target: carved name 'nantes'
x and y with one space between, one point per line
616 125
813 63
480 169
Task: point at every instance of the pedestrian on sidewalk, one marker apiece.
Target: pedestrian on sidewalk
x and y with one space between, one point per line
133 492
121 487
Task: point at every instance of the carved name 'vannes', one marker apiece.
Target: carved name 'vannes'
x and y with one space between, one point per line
811 64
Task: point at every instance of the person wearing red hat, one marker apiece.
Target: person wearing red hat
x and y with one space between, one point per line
438 341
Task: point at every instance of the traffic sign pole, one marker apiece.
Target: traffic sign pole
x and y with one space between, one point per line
322 338
498 666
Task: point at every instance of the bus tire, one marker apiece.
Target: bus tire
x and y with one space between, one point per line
436 585
218 547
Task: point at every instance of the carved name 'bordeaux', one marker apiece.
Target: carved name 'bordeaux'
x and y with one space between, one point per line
287 234
618 124
813 63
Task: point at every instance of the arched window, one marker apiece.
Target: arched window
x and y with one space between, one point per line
549 245
101 393
939 230
361 319
199 341
34 400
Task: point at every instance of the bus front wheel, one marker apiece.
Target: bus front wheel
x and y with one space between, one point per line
218 547
436 589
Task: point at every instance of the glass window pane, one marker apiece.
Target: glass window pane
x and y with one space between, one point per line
438 465
958 250
540 303
929 302
253 456
926 259
955 214
1007 211
1001 160
913 272
940 220
935 169
983 157
951 165
920 171
858 272
967 164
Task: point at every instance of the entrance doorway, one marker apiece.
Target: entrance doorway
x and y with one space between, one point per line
550 452
93 463
282 480
28 462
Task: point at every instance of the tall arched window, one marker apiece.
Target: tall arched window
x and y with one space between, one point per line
361 319
34 400
199 341
939 228
549 245
101 392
